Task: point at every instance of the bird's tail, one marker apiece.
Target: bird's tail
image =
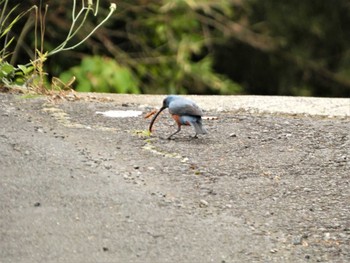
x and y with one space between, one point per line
198 127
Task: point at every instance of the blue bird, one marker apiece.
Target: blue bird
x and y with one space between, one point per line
184 112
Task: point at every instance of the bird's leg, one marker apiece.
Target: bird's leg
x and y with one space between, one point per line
178 129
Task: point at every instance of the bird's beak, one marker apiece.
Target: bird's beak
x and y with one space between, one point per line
154 118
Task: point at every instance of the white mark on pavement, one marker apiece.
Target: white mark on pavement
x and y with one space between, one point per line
120 113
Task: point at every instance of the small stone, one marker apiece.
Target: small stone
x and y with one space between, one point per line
327 236
39 130
297 240
37 204
136 167
233 135
105 249
108 166
203 203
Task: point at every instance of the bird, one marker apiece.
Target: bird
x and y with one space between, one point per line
184 112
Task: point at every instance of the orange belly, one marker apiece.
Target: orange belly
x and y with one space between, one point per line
178 120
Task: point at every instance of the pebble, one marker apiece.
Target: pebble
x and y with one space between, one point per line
203 203
38 129
108 166
327 236
297 240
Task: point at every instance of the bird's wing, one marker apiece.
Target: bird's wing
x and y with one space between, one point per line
183 106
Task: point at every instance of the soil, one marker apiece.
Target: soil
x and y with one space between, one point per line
77 186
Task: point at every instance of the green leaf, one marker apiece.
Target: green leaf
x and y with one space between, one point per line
26 70
6 69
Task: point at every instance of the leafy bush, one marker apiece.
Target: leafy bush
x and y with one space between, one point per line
10 75
102 74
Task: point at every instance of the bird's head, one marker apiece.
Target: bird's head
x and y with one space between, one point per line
167 101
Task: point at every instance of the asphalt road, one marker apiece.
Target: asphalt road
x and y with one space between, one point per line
269 183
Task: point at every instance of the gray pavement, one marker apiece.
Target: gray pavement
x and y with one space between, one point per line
268 183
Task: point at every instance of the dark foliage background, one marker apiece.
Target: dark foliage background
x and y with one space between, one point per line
206 47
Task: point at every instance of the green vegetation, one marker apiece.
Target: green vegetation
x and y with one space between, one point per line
9 74
33 73
183 46
102 74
